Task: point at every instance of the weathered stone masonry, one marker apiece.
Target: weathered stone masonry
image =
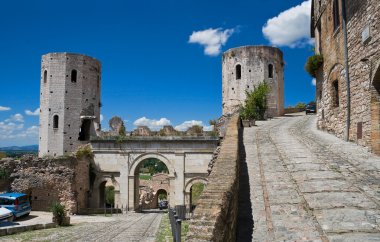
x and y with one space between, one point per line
48 180
70 102
363 30
215 217
245 67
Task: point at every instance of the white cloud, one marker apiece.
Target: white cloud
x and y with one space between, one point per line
15 118
314 82
153 124
101 117
187 124
33 113
291 27
211 39
2 108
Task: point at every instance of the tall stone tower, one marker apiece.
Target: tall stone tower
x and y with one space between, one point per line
69 102
245 67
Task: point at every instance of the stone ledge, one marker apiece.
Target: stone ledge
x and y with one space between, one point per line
24 228
216 213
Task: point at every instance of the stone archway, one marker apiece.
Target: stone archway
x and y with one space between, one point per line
375 113
134 193
188 190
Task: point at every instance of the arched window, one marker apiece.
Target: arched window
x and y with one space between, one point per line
45 76
55 121
335 93
270 71
74 76
336 17
238 72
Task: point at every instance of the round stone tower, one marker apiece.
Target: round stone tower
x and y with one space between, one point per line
69 102
244 68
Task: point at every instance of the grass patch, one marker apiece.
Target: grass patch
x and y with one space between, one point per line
165 233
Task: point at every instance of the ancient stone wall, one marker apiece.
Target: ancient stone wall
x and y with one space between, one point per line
70 91
245 67
215 216
48 180
363 56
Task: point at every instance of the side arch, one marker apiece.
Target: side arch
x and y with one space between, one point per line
194 180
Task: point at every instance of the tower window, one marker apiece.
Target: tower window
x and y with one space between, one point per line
45 76
55 121
84 133
270 71
335 93
74 76
336 14
238 72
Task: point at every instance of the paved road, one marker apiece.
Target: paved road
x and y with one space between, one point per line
307 185
129 227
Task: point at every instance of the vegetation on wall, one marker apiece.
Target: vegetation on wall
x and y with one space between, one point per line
255 104
84 151
313 63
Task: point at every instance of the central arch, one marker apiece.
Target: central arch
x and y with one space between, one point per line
134 180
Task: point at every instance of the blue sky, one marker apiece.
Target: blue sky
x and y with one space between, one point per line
151 72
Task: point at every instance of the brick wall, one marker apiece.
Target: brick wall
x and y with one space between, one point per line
216 213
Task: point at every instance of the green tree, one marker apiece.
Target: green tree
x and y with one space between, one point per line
300 105
110 195
196 191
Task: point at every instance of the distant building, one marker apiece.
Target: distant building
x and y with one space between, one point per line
245 67
363 36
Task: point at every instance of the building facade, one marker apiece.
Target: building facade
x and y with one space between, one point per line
69 102
353 114
245 67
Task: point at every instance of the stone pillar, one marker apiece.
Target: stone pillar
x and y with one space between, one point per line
179 167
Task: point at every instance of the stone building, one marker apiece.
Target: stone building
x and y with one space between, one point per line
70 102
359 122
245 67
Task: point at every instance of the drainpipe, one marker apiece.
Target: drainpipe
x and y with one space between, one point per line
348 120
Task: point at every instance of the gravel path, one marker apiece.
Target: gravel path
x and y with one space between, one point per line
129 227
307 185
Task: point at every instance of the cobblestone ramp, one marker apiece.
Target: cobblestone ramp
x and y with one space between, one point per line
306 185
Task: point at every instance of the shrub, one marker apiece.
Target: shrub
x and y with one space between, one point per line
301 105
255 104
313 63
58 211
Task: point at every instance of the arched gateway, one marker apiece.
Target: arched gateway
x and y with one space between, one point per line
186 158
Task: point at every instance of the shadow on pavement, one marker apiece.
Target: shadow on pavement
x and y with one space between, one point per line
244 220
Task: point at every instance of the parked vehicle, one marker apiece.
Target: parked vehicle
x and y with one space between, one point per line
311 109
5 215
163 204
18 203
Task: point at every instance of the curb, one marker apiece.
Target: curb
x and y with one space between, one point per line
20 229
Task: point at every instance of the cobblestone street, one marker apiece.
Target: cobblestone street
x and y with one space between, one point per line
307 185
130 227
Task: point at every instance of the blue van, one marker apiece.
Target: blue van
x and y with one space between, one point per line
18 203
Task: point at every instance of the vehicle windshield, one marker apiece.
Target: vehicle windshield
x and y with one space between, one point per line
6 201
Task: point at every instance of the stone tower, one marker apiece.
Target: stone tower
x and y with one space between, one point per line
245 67
69 102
